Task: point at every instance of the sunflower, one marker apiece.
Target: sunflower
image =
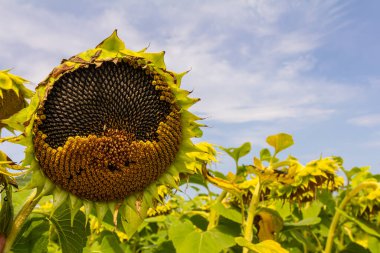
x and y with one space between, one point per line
108 128
13 95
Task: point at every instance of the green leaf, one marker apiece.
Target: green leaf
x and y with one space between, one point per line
106 242
237 153
268 246
365 225
354 248
265 155
305 222
165 247
373 244
280 141
187 239
283 209
72 238
195 179
199 221
229 227
33 237
131 221
300 237
178 232
312 210
7 210
111 243
229 213
326 198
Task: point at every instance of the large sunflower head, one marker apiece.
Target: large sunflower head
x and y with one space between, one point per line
110 126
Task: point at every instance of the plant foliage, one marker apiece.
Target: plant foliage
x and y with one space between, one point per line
272 205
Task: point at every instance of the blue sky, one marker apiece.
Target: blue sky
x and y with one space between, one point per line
308 68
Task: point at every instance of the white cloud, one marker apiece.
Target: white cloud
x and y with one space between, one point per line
262 74
250 60
34 39
369 120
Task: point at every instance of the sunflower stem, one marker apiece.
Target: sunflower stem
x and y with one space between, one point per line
21 217
213 218
335 220
251 215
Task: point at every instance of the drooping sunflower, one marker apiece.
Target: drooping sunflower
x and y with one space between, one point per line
108 127
13 95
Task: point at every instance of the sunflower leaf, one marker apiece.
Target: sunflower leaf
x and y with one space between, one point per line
237 153
187 238
131 221
33 237
265 155
365 225
229 213
305 222
72 238
280 141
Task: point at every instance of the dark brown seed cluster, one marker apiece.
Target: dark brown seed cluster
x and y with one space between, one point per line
105 132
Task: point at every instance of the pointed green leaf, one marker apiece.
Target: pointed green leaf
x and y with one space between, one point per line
75 205
157 59
131 221
113 43
101 210
265 155
280 141
59 197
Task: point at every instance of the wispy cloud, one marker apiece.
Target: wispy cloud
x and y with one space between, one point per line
255 64
250 60
250 63
369 120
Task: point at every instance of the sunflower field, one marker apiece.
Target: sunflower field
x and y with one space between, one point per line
112 164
